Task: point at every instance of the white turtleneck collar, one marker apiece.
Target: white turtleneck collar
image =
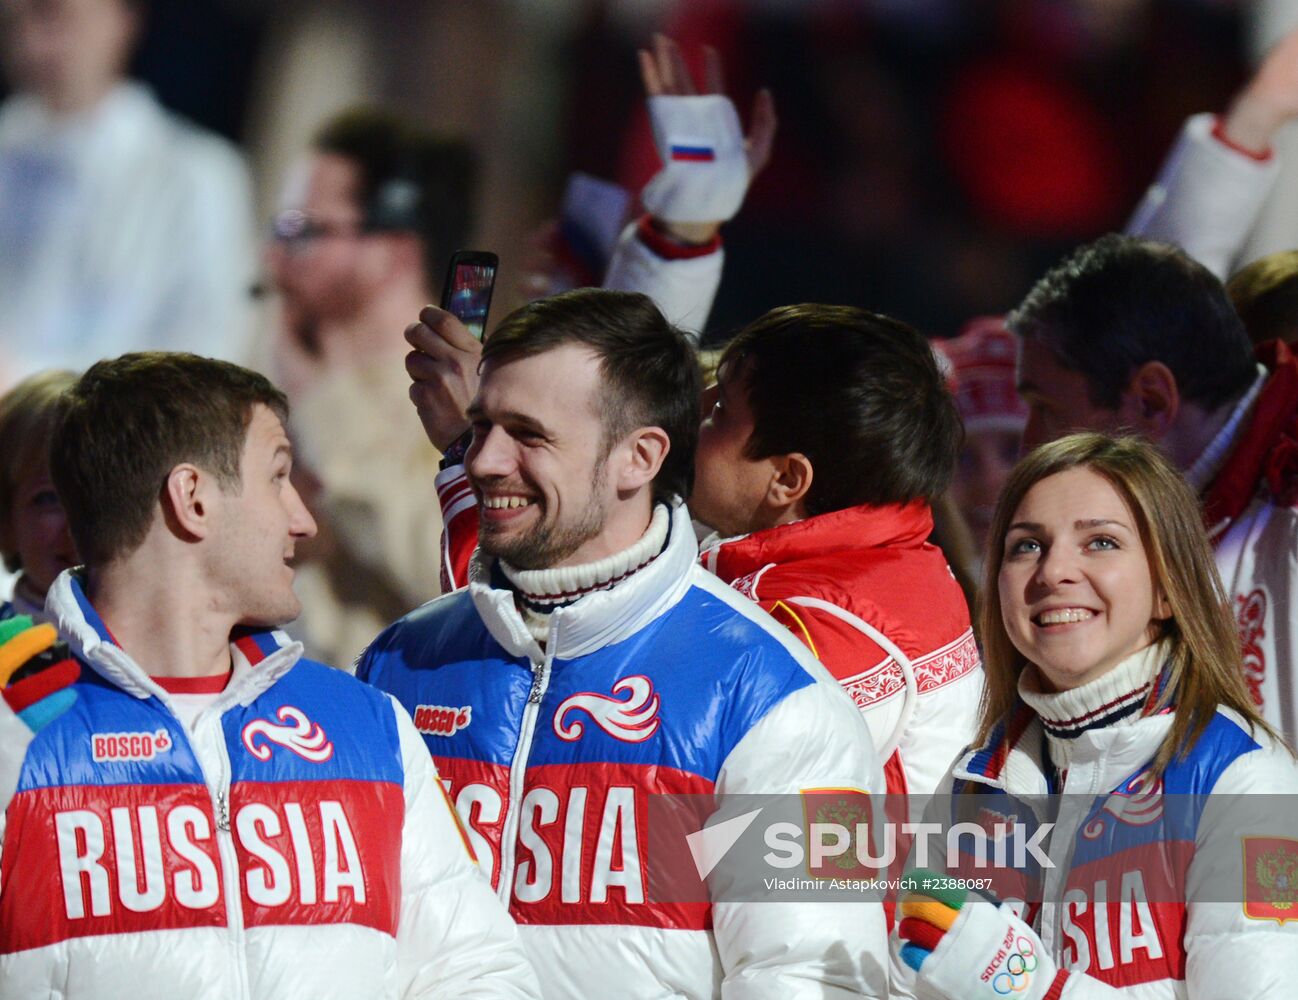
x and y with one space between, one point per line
540 591
1116 698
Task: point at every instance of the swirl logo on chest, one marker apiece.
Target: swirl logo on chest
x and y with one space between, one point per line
632 719
298 734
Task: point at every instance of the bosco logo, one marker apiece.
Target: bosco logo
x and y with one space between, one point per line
442 720
128 746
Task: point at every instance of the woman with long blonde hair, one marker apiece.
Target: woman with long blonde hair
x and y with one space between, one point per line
1116 725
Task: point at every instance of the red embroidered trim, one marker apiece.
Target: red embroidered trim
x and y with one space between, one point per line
1057 986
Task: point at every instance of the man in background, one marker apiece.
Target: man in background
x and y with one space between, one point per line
370 219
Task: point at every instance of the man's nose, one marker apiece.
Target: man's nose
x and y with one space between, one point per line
491 454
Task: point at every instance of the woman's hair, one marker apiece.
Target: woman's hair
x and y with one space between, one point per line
28 412
1206 668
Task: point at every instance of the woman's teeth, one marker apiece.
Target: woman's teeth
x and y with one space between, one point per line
1064 616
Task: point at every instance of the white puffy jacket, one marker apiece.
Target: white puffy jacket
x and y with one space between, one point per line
295 843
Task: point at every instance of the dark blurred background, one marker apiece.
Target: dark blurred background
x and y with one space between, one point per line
934 156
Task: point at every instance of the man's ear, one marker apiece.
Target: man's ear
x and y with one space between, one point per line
790 482
1151 402
645 450
187 497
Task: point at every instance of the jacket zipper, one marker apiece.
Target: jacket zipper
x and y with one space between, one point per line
220 792
517 774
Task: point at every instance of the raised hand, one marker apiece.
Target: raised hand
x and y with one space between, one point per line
1268 101
707 162
443 370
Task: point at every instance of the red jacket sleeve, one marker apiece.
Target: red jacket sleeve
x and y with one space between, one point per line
459 526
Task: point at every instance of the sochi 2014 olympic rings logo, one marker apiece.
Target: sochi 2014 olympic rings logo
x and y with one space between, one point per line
1018 969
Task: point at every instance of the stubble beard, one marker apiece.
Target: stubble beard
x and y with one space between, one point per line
551 543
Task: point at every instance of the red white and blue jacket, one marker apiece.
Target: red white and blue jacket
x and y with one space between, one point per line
1182 886
295 843
668 682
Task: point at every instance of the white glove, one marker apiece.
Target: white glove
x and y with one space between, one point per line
705 168
989 954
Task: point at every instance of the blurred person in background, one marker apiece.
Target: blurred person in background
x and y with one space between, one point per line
369 221
121 226
1128 334
34 538
982 370
1265 294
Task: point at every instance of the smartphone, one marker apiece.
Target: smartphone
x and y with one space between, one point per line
467 293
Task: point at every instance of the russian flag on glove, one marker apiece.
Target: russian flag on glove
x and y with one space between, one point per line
32 703
970 947
705 170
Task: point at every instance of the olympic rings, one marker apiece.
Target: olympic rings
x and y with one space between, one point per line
1018 969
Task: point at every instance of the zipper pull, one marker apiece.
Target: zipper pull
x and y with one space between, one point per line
222 812
534 695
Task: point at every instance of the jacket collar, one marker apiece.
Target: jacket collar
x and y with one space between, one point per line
862 527
1013 758
1266 453
260 656
595 620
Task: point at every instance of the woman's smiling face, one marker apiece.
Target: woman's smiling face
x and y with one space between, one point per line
1076 588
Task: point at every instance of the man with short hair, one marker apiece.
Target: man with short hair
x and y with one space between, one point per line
369 221
1133 335
592 665
830 435
215 816
822 447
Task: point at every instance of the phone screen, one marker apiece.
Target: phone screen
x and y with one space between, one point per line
470 296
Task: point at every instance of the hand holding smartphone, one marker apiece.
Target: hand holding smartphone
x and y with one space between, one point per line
470 279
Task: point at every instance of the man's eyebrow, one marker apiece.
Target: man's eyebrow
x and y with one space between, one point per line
509 418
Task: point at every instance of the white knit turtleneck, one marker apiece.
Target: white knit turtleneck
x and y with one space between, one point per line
540 591
1116 698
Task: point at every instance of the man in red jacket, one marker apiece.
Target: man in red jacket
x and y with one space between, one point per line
830 431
